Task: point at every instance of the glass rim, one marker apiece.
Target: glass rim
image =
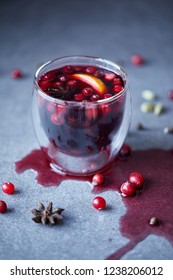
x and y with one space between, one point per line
69 102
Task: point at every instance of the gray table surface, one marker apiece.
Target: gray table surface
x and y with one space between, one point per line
32 32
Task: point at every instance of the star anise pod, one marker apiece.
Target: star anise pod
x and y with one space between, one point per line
47 215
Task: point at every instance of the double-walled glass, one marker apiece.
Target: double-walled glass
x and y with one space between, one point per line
87 135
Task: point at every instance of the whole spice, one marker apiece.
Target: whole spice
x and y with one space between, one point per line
147 107
158 108
148 94
139 126
47 215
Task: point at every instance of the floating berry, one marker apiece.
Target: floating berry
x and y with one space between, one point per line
137 179
137 59
16 74
117 81
98 179
63 78
72 84
109 76
128 188
90 70
68 69
87 91
117 88
8 188
125 151
107 95
99 203
79 97
3 206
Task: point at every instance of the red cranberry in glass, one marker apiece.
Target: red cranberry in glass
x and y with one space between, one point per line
57 119
99 203
72 84
109 77
137 179
68 69
117 81
16 73
90 70
57 84
45 85
47 77
137 59
98 179
107 95
117 88
3 206
79 97
128 188
63 78
94 97
8 188
87 91
91 113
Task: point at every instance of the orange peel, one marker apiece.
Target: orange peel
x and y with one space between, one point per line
92 81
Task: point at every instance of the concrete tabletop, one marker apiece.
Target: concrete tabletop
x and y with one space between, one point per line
34 32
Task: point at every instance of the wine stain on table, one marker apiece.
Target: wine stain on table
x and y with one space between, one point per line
154 200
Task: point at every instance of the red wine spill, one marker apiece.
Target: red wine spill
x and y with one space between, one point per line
155 200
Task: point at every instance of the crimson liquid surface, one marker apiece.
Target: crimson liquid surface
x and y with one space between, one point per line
155 200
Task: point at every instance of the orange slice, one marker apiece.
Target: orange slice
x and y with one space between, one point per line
94 82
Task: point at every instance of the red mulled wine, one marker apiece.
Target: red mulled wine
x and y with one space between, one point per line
80 110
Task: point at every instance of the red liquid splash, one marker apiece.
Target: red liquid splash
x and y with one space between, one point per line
156 199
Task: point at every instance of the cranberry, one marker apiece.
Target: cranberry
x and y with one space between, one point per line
98 179
99 203
109 76
94 97
137 179
90 70
57 119
125 151
63 78
105 109
117 81
107 95
87 91
79 97
60 109
3 206
117 88
57 84
72 84
91 113
68 69
78 69
45 85
47 77
8 188
16 73
137 59
128 188
170 94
